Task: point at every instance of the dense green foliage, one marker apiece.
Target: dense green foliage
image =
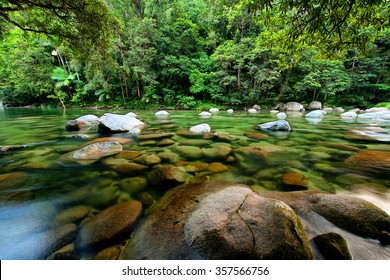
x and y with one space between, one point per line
194 53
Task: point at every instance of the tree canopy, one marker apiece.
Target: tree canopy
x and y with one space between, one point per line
85 24
195 53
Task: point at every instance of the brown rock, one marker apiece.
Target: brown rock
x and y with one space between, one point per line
167 177
371 161
294 182
109 226
201 166
72 215
154 136
129 154
148 160
217 167
217 153
120 140
165 142
256 135
132 168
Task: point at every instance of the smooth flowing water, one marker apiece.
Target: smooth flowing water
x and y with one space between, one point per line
37 186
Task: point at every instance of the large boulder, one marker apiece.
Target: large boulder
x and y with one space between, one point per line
218 220
110 226
347 212
115 123
280 125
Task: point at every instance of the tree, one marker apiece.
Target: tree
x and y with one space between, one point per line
86 25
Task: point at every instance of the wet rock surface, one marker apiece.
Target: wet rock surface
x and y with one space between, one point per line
332 246
204 221
109 226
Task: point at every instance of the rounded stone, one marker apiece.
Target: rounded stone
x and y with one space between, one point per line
217 167
109 226
294 182
332 246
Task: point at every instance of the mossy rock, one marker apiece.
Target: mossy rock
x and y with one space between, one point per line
332 246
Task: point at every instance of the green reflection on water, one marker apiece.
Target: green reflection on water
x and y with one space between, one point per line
36 175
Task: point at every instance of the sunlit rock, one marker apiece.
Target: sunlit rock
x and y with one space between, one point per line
218 220
201 128
281 115
162 113
114 123
280 125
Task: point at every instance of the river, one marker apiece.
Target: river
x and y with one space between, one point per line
37 185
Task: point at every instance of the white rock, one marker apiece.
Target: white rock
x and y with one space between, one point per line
230 111
316 114
89 118
214 110
274 111
205 114
161 113
351 115
281 115
376 109
328 110
131 114
252 111
339 110
118 123
135 131
201 128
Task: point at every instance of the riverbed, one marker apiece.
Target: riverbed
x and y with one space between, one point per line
41 191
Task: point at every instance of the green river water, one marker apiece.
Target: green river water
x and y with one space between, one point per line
37 186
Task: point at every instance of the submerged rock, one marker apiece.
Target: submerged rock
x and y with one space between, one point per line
281 115
280 125
371 161
294 182
109 226
98 150
5 149
167 177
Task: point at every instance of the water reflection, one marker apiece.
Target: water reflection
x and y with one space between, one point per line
36 185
